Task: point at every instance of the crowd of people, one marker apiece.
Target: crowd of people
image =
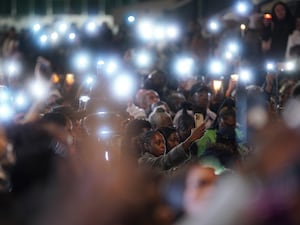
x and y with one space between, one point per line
204 147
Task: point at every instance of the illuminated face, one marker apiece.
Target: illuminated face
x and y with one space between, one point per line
280 12
200 182
157 144
173 140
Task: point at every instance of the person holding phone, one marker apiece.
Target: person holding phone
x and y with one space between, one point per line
199 99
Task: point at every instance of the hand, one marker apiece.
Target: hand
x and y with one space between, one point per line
231 86
195 135
197 132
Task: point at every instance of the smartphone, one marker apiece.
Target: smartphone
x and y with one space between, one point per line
199 119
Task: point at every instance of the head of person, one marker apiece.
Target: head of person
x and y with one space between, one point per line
73 115
220 157
160 118
199 185
200 97
154 143
131 144
175 100
145 98
171 137
161 104
106 130
36 152
156 80
185 124
226 125
280 12
61 128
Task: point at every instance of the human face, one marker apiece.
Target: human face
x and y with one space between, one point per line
150 98
229 121
201 99
185 133
200 183
280 12
157 144
173 140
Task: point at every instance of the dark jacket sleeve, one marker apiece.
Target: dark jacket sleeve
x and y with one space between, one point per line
164 162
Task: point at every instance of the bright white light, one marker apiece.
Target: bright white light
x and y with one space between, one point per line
131 19
72 36
242 8
54 36
290 66
89 80
159 33
104 132
111 67
123 86
21 100
36 27
216 67
172 32
234 77
44 38
185 66
143 59
214 26
228 55
245 75
39 89
243 26
63 27
13 69
233 47
217 84
145 29
4 94
6 112
84 98
106 156
270 66
100 62
82 61
91 27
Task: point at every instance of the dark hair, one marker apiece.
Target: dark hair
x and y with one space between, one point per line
136 126
288 15
147 137
199 87
226 110
56 118
132 147
185 120
166 132
35 157
226 155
